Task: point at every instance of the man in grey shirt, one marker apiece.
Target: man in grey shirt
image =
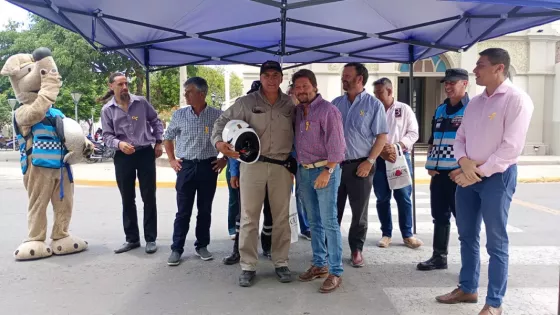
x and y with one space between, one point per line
270 113
131 126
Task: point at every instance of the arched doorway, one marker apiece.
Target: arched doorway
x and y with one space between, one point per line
428 91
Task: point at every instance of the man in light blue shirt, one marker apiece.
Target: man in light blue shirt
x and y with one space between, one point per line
197 166
365 131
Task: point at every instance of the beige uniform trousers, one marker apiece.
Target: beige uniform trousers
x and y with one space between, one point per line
254 178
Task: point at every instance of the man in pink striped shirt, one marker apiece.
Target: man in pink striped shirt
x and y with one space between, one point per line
487 146
320 147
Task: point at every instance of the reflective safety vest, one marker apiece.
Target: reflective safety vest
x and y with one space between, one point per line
442 155
47 150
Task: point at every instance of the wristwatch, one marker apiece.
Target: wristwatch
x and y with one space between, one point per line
372 161
158 141
330 170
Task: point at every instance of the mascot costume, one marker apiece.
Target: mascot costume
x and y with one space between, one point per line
49 143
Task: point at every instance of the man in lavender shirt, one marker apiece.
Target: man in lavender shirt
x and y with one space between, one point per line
131 126
320 147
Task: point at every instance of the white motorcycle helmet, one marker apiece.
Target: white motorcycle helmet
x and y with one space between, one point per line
244 140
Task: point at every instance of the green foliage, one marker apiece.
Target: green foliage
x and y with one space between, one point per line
86 70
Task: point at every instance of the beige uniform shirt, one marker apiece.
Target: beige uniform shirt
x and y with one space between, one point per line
272 123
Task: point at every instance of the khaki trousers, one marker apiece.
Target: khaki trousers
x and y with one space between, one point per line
254 179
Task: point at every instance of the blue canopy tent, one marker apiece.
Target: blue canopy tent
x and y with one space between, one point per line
170 33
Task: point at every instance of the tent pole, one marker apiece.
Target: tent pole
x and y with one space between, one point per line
147 63
411 96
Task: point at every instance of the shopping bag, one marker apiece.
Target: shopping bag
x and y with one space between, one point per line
293 218
398 173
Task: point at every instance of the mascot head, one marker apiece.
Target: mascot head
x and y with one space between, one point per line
25 70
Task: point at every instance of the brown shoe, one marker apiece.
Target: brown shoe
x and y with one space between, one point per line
489 310
357 259
330 284
314 273
457 296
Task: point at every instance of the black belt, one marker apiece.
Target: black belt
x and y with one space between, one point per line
352 161
290 163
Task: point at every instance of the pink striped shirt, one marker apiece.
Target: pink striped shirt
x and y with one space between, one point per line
494 128
320 136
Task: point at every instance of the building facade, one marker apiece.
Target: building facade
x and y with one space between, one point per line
535 68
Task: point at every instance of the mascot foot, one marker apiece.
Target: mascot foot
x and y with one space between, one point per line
32 250
68 245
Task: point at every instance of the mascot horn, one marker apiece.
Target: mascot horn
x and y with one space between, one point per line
49 143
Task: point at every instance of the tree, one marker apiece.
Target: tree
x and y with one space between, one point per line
82 68
235 86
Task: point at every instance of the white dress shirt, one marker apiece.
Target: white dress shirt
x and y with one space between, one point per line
402 124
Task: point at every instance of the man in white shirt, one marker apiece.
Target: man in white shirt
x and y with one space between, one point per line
403 130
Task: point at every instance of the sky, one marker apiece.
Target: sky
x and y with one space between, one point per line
9 11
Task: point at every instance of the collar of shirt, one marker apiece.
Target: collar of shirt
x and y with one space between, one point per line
281 96
462 102
502 89
190 110
113 101
357 99
317 100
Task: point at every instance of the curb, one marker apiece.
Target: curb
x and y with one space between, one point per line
421 181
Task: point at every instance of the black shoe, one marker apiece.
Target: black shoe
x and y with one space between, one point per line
306 235
439 256
267 254
246 278
284 274
151 247
435 262
126 247
174 259
232 259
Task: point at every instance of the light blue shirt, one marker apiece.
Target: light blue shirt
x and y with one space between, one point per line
192 133
363 120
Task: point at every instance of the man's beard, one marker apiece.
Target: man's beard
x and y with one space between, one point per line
125 96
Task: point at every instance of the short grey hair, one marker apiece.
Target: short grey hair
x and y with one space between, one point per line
199 83
385 82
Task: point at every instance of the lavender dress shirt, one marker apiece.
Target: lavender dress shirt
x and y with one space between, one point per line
139 127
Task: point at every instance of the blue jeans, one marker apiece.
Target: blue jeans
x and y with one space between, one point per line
322 212
488 200
402 197
302 216
233 206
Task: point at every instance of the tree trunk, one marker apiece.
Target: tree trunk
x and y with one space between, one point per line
140 77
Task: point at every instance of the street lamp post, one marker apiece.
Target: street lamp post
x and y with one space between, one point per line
12 102
76 97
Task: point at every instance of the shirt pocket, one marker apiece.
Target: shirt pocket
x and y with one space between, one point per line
285 118
363 123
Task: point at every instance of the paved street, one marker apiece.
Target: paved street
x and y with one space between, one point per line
100 282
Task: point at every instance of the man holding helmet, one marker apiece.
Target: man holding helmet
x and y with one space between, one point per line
270 113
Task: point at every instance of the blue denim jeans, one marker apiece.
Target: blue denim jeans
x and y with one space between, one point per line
488 200
233 205
322 212
302 215
402 197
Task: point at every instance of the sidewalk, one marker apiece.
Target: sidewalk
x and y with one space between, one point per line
103 174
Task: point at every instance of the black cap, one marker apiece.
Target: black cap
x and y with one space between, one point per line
271 65
255 86
455 74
